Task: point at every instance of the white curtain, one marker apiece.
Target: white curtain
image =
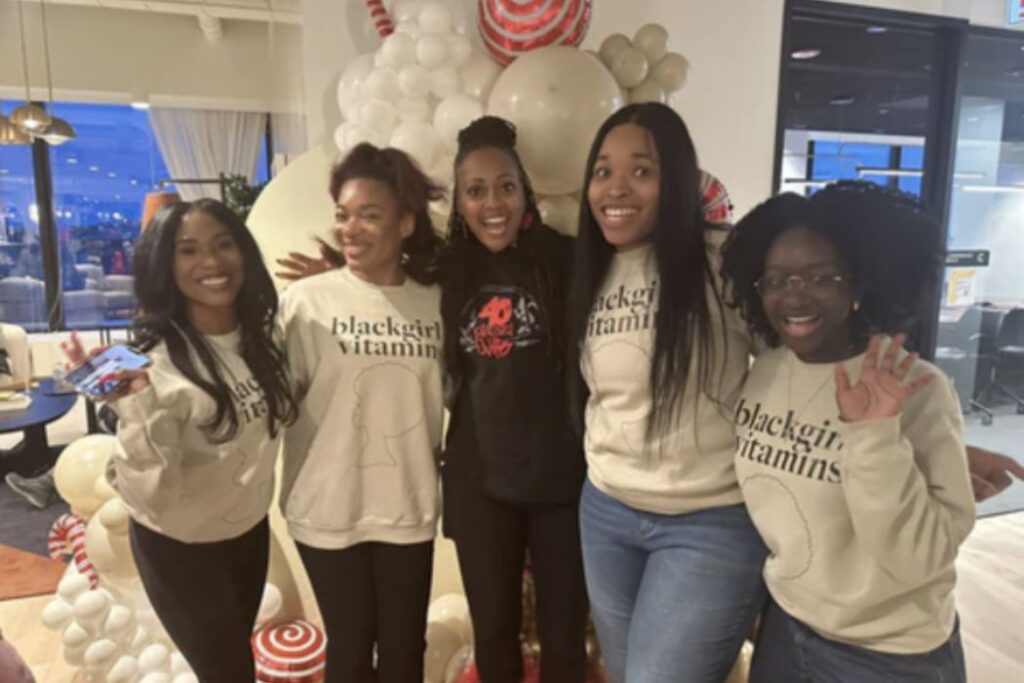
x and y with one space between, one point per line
289 133
202 144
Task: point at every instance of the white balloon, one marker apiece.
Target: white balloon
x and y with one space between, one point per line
101 654
76 635
351 82
357 133
442 643
652 40
382 83
435 17
611 46
410 28
156 677
452 115
185 678
406 10
125 670
120 623
140 641
340 133
444 82
478 75
414 81
154 657
72 585
648 91
107 543
629 66
413 109
671 71
462 657
558 97
452 609
179 665
78 467
378 59
380 115
270 603
418 140
57 614
431 50
398 50
561 213
460 48
75 656
91 607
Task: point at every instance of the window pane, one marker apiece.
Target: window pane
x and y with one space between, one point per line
100 180
22 290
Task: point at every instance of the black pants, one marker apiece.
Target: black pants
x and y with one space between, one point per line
372 594
491 539
207 596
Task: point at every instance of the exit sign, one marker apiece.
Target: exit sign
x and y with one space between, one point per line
1016 15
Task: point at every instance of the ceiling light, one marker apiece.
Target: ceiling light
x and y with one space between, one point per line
58 132
31 118
11 134
805 53
111 174
140 105
94 168
71 160
842 100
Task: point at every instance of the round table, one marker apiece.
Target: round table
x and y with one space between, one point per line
47 405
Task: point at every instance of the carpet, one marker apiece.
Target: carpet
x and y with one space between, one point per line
27 574
23 526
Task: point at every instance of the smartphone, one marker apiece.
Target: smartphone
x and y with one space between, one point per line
86 377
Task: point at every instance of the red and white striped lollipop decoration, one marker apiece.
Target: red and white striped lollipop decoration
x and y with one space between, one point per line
714 200
511 27
290 652
381 19
67 537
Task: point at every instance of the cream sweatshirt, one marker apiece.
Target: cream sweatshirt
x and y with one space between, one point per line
689 467
173 479
360 462
864 519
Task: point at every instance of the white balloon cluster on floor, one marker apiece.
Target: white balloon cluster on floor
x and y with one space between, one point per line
644 66
425 83
449 637
111 630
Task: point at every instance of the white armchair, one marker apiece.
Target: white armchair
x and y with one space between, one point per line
14 341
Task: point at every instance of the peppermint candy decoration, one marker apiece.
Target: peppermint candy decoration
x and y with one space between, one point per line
714 200
67 537
290 652
511 27
381 19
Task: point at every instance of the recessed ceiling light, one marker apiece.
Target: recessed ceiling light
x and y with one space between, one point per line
133 182
876 29
140 106
805 53
842 100
94 168
111 174
72 160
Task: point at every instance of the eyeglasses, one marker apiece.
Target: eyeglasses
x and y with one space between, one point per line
773 285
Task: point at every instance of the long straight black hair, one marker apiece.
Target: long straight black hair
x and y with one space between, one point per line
683 323
162 316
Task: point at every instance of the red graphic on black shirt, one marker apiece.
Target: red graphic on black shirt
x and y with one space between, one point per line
499 319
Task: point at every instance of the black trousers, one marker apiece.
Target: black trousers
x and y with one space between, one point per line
207 596
491 540
372 594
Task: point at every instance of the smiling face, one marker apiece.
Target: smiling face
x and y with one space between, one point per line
625 185
369 228
808 296
208 271
491 197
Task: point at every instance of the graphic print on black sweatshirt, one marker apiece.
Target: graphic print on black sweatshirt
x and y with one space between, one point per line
498 319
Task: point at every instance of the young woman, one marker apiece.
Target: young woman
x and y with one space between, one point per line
199 429
849 452
672 559
512 465
360 490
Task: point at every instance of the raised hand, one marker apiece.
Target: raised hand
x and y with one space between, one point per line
298 266
882 388
990 472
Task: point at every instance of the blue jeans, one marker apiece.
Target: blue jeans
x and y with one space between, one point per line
788 650
672 596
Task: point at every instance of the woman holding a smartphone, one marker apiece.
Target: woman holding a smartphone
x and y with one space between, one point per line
199 429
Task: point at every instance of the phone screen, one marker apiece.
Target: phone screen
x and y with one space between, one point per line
86 377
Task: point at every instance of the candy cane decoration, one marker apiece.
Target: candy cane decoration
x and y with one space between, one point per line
381 19
67 537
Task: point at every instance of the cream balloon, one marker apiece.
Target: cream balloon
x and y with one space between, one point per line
648 91
460 49
351 82
418 140
454 114
431 50
671 71
442 644
179 665
119 624
72 585
270 604
406 10
629 66
382 83
413 109
414 81
452 609
91 608
410 28
459 661
356 133
76 636
444 82
561 213
101 654
185 678
557 97
107 544
380 115
611 46
154 658
398 50
75 656
652 40
125 670
156 677
57 614
478 75
78 467
435 17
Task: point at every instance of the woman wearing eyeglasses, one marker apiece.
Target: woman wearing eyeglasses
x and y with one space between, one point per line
849 451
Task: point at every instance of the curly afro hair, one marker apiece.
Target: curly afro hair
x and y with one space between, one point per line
890 246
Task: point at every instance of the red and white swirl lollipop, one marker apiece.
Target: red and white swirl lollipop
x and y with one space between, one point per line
511 27
714 200
67 537
290 652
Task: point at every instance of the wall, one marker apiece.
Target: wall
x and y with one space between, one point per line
111 55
